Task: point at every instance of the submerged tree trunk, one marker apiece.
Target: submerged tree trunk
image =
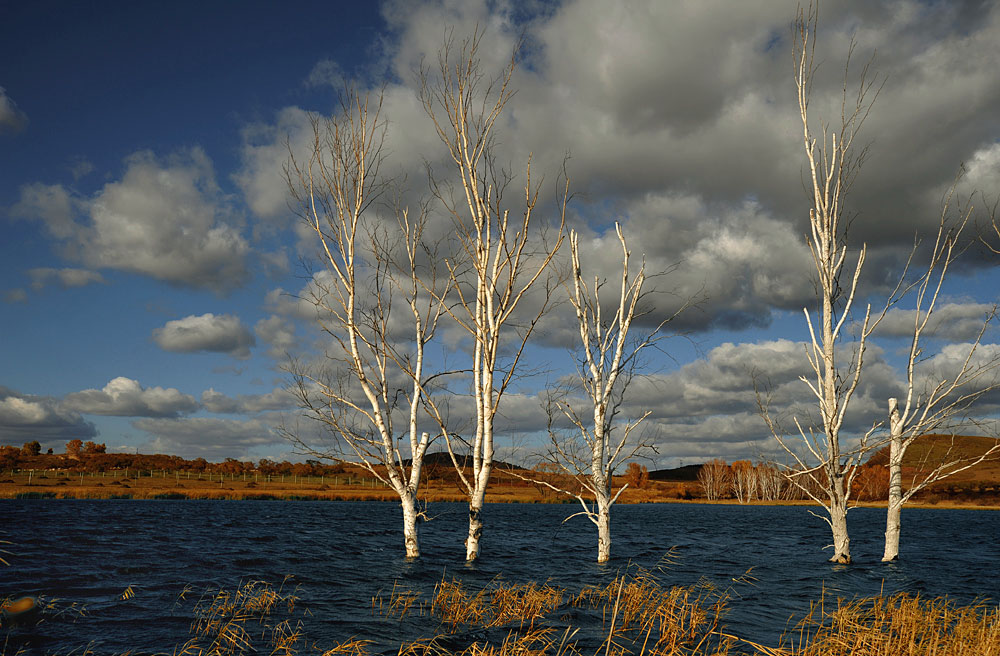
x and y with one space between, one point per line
838 518
475 531
603 529
894 509
410 534
892 526
838 524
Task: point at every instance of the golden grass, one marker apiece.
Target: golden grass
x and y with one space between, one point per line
641 617
95 486
898 625
495 605
534 642
669 621
224 620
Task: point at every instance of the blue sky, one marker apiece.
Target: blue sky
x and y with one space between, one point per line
147 253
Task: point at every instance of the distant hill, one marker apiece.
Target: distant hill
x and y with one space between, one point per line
442 458
683 474
932 449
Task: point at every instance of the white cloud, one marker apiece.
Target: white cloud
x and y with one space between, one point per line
223 333
953 321
15 410
66 278
663 106
287 304
219 403
15 295
981 361
709 407
167 220
326 72
12 119
276 399
80 168
278 333
52 204
26 417
124 397
262 177
207 437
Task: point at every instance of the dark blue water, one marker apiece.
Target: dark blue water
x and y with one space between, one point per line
342 554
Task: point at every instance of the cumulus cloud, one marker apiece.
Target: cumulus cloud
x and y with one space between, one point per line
223 333
278 333
25 417
15 295
264 155
295 305
207 437
124 397
709 407
700 155
54 205
66 278
80 168
277 399
219 403
12 119
953 321
982 365
164 219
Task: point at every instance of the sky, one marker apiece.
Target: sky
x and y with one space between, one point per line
151 264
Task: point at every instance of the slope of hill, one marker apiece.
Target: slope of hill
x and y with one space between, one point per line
686 473
929 450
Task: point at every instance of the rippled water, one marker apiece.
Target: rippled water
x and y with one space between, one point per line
342 554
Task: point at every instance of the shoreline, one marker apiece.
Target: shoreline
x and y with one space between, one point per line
384 495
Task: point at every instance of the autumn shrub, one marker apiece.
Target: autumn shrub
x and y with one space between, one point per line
637 476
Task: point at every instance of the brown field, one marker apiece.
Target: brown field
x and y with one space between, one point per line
123 476
153 484
351 486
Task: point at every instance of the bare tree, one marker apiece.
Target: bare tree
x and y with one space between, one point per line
833 164
376 373
745 481
715 477
771 484
501 257
598 441
938 400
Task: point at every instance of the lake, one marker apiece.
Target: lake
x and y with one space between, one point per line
341 554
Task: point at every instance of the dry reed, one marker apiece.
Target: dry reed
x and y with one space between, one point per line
220 627
898 625
495 605
641 617
640 613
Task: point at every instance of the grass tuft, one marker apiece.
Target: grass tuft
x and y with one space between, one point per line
222 618
901 624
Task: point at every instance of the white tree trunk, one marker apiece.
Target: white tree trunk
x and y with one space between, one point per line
838 524
603 529
892 526
475 530
894 509
410 533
